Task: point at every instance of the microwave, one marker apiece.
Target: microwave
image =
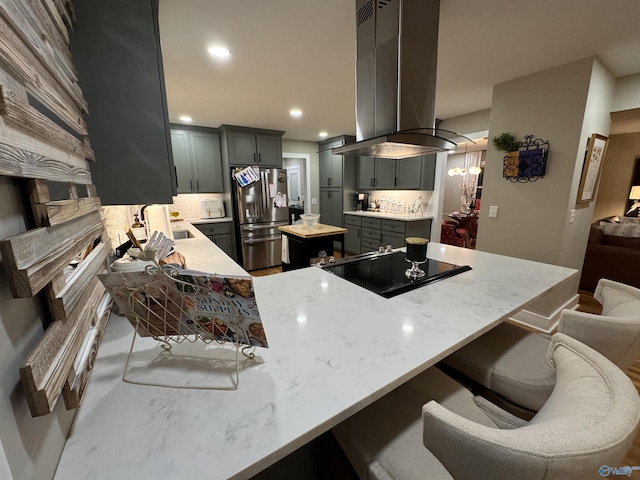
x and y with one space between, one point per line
211 209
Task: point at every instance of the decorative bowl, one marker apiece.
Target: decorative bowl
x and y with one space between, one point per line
310 219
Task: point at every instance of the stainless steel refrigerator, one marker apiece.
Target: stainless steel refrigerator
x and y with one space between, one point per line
260 207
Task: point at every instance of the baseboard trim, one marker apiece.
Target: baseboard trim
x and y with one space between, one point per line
542 323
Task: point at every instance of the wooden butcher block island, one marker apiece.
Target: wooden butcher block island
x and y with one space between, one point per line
301 244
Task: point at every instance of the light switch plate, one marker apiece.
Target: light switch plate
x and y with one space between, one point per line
572 215
314 200
493 211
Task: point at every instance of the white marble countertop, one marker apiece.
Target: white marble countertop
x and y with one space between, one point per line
334 348
390 216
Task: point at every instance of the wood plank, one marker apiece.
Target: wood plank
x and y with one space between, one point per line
47 367
35 257
60 211
318 230
27 117
37 27
67 12
63 300
27 66
76 384
17 162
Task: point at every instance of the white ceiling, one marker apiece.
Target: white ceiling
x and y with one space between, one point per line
301 53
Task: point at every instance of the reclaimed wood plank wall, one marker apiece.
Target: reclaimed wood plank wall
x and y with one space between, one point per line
36 69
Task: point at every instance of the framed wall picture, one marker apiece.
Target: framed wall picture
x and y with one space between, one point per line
596 148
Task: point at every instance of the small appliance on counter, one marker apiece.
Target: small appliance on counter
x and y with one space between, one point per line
211 209
362 201
157 218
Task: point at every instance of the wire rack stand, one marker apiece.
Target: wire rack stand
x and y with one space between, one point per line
188 347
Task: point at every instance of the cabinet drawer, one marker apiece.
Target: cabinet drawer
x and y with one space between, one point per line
369 245
371 223
372 234
352 220
394 226
214 228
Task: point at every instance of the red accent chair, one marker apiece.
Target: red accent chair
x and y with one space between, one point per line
451 234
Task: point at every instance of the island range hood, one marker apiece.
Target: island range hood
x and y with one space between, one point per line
397 58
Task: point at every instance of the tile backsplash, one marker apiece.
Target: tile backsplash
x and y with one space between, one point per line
118 218
401 197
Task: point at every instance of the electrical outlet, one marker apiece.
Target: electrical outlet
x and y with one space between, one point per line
314 200
572 215
493 211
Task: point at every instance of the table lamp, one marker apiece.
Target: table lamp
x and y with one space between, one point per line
634 195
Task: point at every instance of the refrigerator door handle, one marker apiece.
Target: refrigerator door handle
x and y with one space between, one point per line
265 193
251 228
261 240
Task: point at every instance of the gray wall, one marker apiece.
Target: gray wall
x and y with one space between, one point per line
32 446
563 105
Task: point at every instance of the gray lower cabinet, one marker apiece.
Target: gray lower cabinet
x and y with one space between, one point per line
415 173
331 206
197 160
221 234
250 146
377 232
353 224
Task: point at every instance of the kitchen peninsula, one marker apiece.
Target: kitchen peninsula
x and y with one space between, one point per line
334 348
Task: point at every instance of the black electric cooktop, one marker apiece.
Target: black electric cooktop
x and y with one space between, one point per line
384 273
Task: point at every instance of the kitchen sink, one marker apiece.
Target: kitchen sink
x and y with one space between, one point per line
182 234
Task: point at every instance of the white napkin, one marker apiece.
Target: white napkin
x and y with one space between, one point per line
285 249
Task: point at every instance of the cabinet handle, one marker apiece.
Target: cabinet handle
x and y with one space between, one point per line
329 194
395 181
259 158
371 182
175 173
190 184
329 180
197 185
255 158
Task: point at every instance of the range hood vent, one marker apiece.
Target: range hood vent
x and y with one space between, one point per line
397 58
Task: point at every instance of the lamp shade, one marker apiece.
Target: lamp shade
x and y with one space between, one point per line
635 193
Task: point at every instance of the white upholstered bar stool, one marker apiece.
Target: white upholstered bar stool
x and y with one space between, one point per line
510 360
589 421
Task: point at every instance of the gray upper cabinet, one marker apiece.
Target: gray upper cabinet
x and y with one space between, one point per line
197 159
249 146
416 173
376 173
331 166
115 46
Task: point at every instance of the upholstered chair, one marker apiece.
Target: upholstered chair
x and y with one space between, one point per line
589 421
510 360
451 234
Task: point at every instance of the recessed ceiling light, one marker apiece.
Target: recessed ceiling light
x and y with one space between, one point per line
323 134
295 113
186 118
219 52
